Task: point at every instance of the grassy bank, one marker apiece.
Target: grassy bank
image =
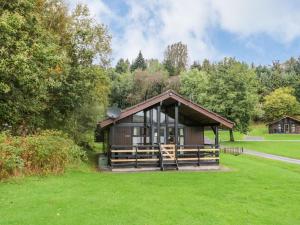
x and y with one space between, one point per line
256 191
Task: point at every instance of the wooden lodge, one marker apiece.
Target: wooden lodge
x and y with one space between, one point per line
287 125
166 131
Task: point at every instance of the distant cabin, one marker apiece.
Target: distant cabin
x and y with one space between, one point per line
286 125
163 131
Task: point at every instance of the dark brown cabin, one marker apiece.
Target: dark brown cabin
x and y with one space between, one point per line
286 125
163 131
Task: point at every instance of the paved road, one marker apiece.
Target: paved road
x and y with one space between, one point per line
270 156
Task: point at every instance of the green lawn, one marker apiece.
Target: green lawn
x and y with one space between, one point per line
283 148
255 191
260 130
223 135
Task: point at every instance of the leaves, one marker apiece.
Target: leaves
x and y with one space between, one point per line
280 102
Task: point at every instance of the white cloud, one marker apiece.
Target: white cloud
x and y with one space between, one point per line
150 25
277 18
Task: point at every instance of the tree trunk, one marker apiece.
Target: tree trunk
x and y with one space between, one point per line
231 135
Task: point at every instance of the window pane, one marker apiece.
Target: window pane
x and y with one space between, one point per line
162 117
293 128
181 131
148 116
138 117
181 141
154 115
136 131
137 140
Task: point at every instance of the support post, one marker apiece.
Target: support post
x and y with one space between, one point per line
217 136
231 135
152 128
176 125
145 128
158 124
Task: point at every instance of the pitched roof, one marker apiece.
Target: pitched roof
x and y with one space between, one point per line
275 121
170 94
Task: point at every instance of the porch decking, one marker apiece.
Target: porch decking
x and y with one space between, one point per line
164 156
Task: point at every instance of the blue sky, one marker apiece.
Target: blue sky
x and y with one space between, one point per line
258 31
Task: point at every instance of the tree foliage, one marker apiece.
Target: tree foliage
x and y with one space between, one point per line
228 89
122 66
31 63
175 58
139 63
280 102
52 67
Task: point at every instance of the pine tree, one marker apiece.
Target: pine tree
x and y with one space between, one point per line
139 63
122 66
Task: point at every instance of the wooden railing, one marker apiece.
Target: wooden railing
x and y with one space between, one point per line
151 155
232 150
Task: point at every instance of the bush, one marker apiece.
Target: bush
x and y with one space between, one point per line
43 153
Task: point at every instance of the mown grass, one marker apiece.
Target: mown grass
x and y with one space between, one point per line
223 135
262 131
282 148
256 129
255 191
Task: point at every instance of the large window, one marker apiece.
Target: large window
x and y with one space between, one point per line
141 136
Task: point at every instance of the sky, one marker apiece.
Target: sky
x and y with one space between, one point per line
254 31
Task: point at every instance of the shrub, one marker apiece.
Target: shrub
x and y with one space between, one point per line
43 153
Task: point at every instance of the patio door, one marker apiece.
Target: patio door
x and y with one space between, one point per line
286 128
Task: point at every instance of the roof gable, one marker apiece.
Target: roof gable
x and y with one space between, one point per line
292 118
164 96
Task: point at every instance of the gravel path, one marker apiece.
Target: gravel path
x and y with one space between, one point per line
270 156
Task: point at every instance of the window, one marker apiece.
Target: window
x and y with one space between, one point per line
141 136
279 128
154 112
293 128
137 137
138 117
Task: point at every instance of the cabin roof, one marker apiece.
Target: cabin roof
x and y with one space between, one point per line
170 94
292 118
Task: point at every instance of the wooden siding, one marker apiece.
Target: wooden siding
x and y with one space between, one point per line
194 136
122 136
273 127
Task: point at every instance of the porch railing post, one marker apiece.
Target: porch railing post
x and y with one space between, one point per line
136 157
198 155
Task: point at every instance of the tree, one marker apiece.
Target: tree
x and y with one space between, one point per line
122 66
31 62
195 65
194 85
279 103
139 63
228 89
122 86
175 59
131 88
78 102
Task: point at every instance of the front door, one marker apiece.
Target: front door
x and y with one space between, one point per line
286 128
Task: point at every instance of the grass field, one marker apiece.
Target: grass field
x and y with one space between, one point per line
260 130
255 191
282 148
278 144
